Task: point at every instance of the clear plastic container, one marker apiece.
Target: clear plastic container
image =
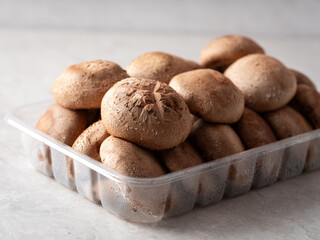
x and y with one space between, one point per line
151 199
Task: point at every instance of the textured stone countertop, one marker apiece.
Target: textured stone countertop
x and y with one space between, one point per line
33 206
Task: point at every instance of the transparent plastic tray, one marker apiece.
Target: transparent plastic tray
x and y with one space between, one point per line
152 199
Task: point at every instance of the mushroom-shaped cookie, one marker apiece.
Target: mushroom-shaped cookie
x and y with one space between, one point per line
89 143
254 132
219 140
209 187
265 82
146 112
307 102
223 51
129 159
215 140
287 122
159 66
83 85
180 157
90 140
303 79
210 95
63 124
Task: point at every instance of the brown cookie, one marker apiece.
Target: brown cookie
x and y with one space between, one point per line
205 187
265 82
159 66
254 132
223 51
210 95
180 157
90 140
146 112
287 122
129 159
83 85
307 102
303 79
215 140
219 140
63 124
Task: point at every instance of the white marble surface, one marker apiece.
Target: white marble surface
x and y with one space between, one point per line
33 206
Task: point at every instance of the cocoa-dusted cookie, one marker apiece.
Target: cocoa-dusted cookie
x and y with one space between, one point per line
132 160
307 102
303 79
63 124
223 51
219 140
159 66
180 157
146 112
82 86
210 95
253 130
215 140
207 187
287 122
89 143
266 83
90 140
129 159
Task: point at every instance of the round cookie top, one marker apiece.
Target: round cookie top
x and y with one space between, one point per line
63 124
307 102
90 140
223 51
303 79
210 95
215 140
253 130
287 122
159 66
82 86
180 157
146 112
265 82
129 159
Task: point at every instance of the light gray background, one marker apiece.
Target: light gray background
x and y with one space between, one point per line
39 39
282 18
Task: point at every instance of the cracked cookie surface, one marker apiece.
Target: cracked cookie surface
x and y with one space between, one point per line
146 112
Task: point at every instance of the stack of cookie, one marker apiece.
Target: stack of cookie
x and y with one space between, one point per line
165 113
